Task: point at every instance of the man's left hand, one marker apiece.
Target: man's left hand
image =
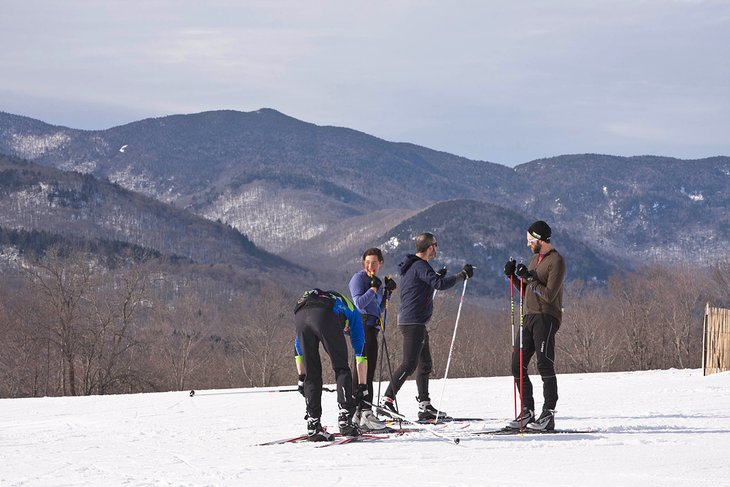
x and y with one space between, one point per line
523 273
390 284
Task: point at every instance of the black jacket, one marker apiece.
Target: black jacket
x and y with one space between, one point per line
417 282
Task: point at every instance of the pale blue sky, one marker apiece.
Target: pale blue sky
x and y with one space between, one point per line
506 82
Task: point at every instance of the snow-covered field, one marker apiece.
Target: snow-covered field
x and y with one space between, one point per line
657 428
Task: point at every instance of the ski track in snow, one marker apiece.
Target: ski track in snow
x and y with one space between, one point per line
669 428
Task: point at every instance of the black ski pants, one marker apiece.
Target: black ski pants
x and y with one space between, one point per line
317 325
416 358
538 337
370 350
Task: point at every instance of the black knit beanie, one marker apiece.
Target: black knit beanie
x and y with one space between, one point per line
540 230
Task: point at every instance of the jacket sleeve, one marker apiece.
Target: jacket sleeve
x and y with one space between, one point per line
429 276
550 290
297 348
361 294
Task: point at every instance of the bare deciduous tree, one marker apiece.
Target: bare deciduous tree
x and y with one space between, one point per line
263 331
587 339
110 331
183 339
62 284
70 325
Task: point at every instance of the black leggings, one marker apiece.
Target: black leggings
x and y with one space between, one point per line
416 358
370 350
317 325
538 337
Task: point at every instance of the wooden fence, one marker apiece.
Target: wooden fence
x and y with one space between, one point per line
716 340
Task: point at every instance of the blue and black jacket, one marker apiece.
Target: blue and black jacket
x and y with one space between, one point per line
340 305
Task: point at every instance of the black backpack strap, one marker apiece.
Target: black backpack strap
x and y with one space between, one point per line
315 298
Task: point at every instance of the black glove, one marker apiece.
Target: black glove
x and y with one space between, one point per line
467 271
510 267
360 392
523 273
390 284
375 282
300 384
442 272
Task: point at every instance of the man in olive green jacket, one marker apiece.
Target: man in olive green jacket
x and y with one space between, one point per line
542 286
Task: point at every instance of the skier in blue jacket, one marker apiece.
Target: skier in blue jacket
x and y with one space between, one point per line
417 283
325 317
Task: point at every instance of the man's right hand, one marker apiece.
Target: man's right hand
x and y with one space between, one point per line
375 282
300 384
510 267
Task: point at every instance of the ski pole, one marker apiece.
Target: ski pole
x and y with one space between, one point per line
390 369
522 371
415 424
451 348
384 346
512 334
253 391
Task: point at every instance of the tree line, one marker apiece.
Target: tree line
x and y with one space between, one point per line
74 325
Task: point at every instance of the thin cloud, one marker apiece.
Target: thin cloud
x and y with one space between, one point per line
506 82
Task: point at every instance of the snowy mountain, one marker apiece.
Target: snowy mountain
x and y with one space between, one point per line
275 178
662 427
78 206
646 207
39 198
288 184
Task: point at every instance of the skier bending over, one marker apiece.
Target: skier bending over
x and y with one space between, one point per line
325 316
